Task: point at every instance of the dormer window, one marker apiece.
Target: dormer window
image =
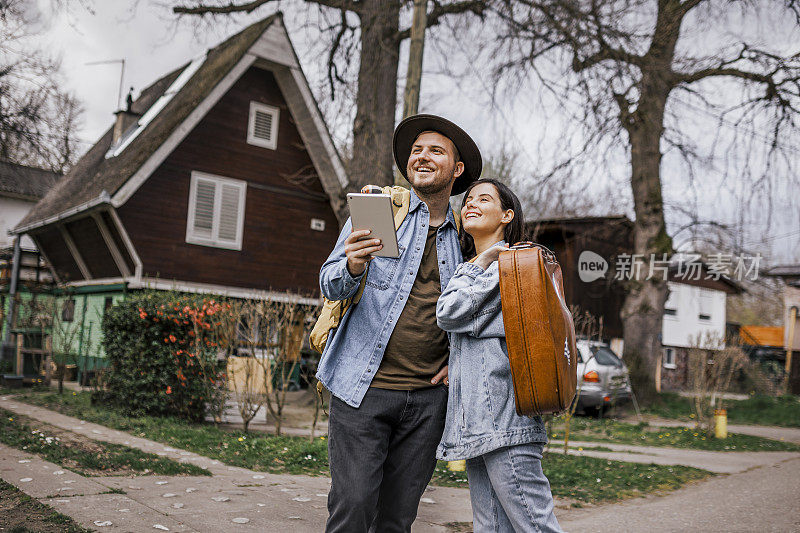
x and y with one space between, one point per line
262 128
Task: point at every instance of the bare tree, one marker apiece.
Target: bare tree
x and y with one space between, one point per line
38 119
713 364
244 373
369 34
283 326
633 63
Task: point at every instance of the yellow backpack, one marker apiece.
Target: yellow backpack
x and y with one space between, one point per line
333 310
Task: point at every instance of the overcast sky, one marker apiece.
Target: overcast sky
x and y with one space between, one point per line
152 43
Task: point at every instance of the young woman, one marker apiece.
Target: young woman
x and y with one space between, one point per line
508 489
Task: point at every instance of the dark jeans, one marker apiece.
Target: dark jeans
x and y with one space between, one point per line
382 456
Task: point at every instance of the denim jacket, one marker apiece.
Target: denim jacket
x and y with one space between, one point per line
481 412
355 349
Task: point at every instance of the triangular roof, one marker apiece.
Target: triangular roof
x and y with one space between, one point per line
97 178
25 182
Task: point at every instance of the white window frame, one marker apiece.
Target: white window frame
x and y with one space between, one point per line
215 241
670 365
672 304
272 144
707 296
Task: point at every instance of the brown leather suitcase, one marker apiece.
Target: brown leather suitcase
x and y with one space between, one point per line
540 334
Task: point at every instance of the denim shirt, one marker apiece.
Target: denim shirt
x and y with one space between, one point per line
355 349
481 411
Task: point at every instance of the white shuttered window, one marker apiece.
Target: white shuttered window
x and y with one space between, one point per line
216 211
262 128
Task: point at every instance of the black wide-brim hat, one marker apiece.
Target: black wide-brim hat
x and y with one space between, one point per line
409 129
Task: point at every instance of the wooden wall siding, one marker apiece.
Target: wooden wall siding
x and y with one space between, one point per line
603 297
123 250
279 250
93 249
57 252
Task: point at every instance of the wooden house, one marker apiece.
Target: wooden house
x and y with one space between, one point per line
221 177
606 236
21 187
695 307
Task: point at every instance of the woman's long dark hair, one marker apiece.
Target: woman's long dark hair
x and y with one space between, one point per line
515 230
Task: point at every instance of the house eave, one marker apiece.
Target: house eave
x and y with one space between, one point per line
104 198
147 282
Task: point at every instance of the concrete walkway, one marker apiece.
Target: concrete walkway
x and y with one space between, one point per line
233 499
718 462
761 500
237 499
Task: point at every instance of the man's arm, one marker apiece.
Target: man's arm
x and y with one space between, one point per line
341 273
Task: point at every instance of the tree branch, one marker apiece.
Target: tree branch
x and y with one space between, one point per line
333 71
781 75
249 7
206 9
477 7
606 52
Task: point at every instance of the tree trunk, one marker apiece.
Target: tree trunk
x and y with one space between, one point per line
376 100
642 311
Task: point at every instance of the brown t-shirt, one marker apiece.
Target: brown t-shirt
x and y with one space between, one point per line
418 348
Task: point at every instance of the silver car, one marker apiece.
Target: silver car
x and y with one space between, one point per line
603 379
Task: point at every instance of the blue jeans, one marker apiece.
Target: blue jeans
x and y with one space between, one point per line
509 491
382 456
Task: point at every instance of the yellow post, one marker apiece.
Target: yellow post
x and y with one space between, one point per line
790 344
720 423
20 361
457 466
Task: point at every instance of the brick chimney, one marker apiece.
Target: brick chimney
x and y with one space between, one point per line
125 118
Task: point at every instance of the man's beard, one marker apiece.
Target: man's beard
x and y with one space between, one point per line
435 186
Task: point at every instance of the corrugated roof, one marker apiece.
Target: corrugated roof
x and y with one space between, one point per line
762 335
94 174
24 181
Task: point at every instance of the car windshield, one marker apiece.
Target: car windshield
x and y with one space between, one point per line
605 356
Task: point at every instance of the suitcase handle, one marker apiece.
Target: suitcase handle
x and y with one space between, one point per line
524 245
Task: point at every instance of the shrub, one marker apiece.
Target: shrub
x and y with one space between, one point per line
162 352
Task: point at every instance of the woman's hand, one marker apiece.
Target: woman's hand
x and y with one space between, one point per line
441 375
490 256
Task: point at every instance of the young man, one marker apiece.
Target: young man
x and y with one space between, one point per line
384 363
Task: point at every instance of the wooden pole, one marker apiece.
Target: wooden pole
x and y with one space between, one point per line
20 346
790 345
414 73
48 359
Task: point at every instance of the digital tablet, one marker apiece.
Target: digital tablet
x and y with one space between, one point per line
374 212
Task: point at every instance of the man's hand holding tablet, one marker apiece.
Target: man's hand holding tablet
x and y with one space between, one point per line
374 233
359 249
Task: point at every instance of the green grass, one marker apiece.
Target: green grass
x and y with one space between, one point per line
268 453
609 430
592 480
105 456
21 513
570 476
758 409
